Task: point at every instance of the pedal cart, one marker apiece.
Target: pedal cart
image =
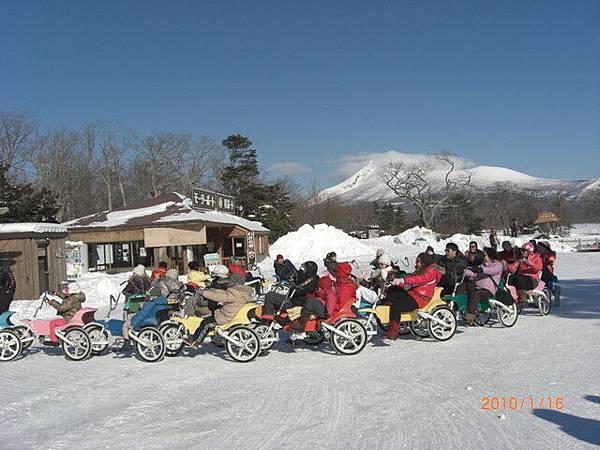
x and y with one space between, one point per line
435 319
72 336
241 337
344 329
145 329
536 298
507 313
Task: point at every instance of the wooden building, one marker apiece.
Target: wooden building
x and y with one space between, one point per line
166 228
36 255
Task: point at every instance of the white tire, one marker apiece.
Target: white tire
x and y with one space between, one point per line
10 345
508 318
151 346
80 347
357 334
245 346
99 337
442 332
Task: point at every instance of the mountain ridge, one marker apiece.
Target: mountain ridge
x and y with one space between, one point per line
366 183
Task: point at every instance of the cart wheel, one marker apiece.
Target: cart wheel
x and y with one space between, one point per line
439 331
357 333
26 335
419 327
247 344
173 338
151 347
10 345
508 318
99 337
543 303
483 317
80 347
267 337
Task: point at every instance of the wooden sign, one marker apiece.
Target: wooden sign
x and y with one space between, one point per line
203 199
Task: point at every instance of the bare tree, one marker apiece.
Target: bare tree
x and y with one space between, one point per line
110 160
61 165
417 184
17 135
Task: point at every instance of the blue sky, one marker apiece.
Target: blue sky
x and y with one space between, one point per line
515 84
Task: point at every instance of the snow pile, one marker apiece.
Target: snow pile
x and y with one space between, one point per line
310 243
416 236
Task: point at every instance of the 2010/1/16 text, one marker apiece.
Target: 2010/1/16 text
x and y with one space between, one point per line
515 403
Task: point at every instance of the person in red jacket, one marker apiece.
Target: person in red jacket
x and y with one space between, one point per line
327 292
234 267
548 259
412 292
526 271
160 271
345 287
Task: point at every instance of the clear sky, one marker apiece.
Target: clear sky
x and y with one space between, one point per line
515 84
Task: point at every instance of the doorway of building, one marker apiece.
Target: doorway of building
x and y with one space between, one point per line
43 274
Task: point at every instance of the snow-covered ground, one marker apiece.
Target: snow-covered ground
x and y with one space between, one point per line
404 394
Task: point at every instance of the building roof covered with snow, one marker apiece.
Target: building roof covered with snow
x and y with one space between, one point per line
171 208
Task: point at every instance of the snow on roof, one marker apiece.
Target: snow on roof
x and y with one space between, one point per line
32 227
167 208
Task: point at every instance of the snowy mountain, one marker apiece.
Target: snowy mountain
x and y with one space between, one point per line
366 183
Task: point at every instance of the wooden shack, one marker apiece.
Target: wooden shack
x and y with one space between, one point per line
166 228
36 255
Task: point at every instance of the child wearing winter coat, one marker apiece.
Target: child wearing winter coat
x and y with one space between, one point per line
72 298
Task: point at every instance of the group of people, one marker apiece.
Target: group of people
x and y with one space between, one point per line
476 273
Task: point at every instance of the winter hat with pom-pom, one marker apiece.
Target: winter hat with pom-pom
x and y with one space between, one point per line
139 270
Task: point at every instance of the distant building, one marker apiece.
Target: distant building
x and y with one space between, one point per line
36 255
164 228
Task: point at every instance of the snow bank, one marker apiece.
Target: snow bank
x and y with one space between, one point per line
416 236
310 243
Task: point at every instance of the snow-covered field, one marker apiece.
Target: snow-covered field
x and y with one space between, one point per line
403 394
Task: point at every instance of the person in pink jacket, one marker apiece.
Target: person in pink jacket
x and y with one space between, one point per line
526 271
482 282
411 292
